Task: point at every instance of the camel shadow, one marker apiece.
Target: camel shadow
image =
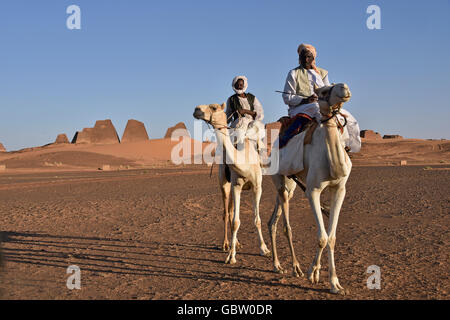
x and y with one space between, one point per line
114 256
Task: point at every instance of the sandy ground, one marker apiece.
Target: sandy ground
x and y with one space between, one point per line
151 230
76 157
155 234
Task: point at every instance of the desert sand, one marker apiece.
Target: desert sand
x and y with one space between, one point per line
147 229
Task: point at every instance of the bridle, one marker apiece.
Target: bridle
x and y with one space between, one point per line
211 122
336 109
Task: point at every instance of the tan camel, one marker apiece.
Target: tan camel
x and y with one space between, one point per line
245 172
326 164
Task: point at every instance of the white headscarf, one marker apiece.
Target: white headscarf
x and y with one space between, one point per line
245 84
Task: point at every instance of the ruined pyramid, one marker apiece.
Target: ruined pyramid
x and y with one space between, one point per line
61 138
181 132
103 133
134 131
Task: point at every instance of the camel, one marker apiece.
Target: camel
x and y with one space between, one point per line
326 164
245 171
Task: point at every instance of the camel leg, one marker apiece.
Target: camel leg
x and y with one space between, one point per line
273 235
337 198
230 215
257 191
236 194
314 200
226 214
297 271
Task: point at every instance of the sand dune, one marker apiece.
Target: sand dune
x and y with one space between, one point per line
93 156
158 151
391 152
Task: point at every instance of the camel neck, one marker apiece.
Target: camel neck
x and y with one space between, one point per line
338 159
233 155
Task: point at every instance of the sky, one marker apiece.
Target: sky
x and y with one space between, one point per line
154 61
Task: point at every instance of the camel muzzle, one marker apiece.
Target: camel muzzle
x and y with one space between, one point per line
198 114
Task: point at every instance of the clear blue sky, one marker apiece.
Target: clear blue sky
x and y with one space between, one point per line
154 61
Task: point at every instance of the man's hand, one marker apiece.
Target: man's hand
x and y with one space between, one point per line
243 112
313 98
310 99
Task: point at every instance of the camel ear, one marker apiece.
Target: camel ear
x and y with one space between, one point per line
223 106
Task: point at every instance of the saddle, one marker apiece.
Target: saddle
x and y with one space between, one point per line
290 127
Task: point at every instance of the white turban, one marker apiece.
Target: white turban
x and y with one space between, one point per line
245 84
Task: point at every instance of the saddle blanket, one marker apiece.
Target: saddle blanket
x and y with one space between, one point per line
288 160
290 127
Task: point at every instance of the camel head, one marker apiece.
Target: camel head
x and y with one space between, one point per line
332 97
213 114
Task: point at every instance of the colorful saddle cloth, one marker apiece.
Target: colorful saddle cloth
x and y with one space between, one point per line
290 127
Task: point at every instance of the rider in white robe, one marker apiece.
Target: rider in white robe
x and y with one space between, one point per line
301 103
247 118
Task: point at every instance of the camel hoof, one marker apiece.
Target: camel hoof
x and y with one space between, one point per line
266 253
336 288
278 269
230 260
225 247
297 272
314 275
340 291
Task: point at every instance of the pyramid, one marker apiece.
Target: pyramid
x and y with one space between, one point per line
392 136
370 134
83 136
179 125
269 127
2 148
103 132
134 131
61 138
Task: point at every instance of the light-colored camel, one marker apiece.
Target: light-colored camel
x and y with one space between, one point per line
326 164
245 172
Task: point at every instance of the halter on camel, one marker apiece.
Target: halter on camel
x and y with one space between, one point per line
335 110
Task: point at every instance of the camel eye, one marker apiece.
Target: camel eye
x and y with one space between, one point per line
213 108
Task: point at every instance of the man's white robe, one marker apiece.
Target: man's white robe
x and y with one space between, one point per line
352 135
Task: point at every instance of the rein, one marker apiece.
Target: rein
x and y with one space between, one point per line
336 110
333 115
